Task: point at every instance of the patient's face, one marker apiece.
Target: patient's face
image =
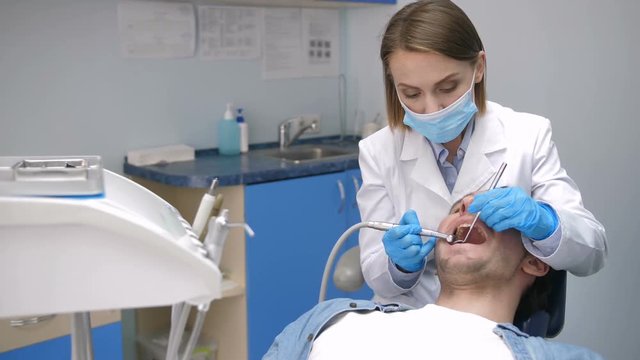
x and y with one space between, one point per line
486 255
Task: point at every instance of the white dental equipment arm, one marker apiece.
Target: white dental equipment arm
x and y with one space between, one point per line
89 226
377 225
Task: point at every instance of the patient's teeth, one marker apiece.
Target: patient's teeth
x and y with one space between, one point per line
461 231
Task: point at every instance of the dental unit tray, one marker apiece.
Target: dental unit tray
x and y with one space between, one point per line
77 238
51 176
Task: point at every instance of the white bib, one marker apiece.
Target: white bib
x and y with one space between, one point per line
432 332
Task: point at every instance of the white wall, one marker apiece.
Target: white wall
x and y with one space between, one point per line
575 62
64 89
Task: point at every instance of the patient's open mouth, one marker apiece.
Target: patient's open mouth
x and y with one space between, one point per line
476 236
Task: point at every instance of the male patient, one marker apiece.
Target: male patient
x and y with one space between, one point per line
482 282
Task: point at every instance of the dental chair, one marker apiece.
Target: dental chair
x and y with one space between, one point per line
546 321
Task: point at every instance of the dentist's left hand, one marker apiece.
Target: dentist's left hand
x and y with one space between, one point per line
404 246
511 207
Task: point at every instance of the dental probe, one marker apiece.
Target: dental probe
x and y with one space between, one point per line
493 185
384 226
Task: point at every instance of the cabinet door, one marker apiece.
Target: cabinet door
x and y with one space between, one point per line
352 182
296 223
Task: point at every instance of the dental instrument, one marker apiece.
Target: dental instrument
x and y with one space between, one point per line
493 185
204 209
218 230
384 226
217 204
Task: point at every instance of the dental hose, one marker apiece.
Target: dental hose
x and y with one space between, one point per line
332 257
181 314
377 225
195 332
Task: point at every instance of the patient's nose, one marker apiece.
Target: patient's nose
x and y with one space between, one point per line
466 201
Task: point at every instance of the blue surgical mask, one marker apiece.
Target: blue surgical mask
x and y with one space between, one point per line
443 125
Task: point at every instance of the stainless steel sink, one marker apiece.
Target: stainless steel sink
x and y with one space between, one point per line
308 153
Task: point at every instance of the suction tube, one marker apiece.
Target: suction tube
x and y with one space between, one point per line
378 225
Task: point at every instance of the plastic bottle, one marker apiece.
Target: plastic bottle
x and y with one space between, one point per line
228 134
244 132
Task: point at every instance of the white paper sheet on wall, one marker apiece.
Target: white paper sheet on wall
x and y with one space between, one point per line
282 55
321 39
227 33
150 29
301 43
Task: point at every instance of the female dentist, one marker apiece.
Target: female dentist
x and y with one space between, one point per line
444 141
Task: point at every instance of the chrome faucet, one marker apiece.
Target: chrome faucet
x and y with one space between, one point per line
285 139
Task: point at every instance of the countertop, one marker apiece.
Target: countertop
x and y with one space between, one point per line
250 168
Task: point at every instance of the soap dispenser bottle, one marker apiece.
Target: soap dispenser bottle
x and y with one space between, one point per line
244 132
228 134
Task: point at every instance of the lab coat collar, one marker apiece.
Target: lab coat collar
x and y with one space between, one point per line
482 160
483 157
426 171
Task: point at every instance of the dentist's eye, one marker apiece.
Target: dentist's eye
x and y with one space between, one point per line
447 89
411 95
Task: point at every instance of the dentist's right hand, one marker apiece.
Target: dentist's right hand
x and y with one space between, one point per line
404 246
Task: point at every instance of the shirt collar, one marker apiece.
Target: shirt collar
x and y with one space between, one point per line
441 152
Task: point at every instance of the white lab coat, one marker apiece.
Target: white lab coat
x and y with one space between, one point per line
399 172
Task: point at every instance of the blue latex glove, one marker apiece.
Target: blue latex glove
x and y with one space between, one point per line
404 247
511 208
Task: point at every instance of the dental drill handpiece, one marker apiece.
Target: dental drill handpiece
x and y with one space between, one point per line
384 226
493 185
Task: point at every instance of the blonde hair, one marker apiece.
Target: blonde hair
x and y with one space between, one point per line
437 26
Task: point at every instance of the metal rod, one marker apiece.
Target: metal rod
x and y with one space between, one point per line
81 343
493 185
384 226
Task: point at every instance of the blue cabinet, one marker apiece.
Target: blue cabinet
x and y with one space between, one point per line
107 345
296 223
352 181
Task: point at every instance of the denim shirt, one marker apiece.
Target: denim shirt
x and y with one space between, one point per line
296 340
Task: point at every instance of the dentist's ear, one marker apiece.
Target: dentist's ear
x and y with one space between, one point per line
534 266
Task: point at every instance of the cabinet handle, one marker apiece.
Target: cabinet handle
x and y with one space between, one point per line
30 321
343 198
356 187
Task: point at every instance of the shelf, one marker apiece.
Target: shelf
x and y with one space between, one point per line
231 288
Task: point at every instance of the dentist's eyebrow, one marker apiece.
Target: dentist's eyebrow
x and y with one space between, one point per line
447 78
439 82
